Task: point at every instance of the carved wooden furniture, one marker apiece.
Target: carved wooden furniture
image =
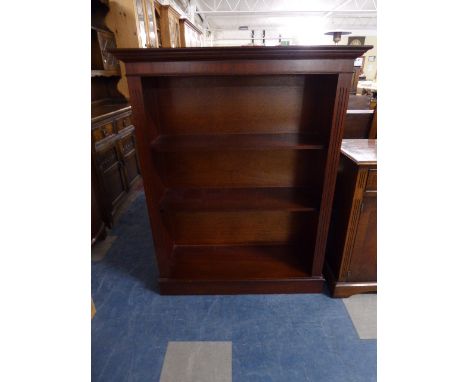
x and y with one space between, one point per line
98 226
239 148
115 164
170 29
114 155
351 260
190 34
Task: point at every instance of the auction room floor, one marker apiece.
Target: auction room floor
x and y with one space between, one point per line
138 335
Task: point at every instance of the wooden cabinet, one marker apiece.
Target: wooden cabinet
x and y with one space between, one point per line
114 158
101 41
190 35
239 148
147 22
114 155
170 29
351 260
98 227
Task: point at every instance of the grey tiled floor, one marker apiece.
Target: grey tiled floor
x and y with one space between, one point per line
362 308
197 361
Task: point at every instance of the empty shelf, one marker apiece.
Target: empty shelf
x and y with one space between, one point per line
218 142
235 199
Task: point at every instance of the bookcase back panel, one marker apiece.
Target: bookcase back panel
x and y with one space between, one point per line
250 104
262 168
241 227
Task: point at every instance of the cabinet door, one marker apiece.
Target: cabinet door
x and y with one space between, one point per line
151 24
97 223
112 177
174 31
130 159
106 42
363 266
141 20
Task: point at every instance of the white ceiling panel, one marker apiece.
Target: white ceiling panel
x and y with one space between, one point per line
299 21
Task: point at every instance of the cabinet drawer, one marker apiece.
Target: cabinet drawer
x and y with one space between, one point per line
371 184
107 158
122 123
102 132
127 144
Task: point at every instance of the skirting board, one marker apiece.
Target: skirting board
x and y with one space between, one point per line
189 287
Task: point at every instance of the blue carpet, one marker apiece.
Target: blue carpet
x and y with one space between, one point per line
274 337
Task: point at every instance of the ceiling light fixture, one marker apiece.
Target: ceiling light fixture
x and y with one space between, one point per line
337 35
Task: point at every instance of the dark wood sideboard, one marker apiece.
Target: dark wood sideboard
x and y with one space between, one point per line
351 259
239 148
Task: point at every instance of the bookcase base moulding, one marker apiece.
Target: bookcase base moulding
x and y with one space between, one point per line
239 148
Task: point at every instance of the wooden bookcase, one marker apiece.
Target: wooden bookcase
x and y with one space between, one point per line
239 148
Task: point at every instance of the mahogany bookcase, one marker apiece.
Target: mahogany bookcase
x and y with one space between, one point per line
239 148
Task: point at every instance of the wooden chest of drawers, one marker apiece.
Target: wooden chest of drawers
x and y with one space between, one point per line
351 258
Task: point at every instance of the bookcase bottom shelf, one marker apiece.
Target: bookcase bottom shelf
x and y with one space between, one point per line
245 269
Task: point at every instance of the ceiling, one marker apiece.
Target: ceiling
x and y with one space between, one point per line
298 21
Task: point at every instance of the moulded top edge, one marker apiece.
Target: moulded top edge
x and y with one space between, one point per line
240 53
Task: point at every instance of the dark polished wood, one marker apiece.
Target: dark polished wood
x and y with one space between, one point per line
358 124
98 226
241 199
351 259
216 142
318 52
239 149
114 155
